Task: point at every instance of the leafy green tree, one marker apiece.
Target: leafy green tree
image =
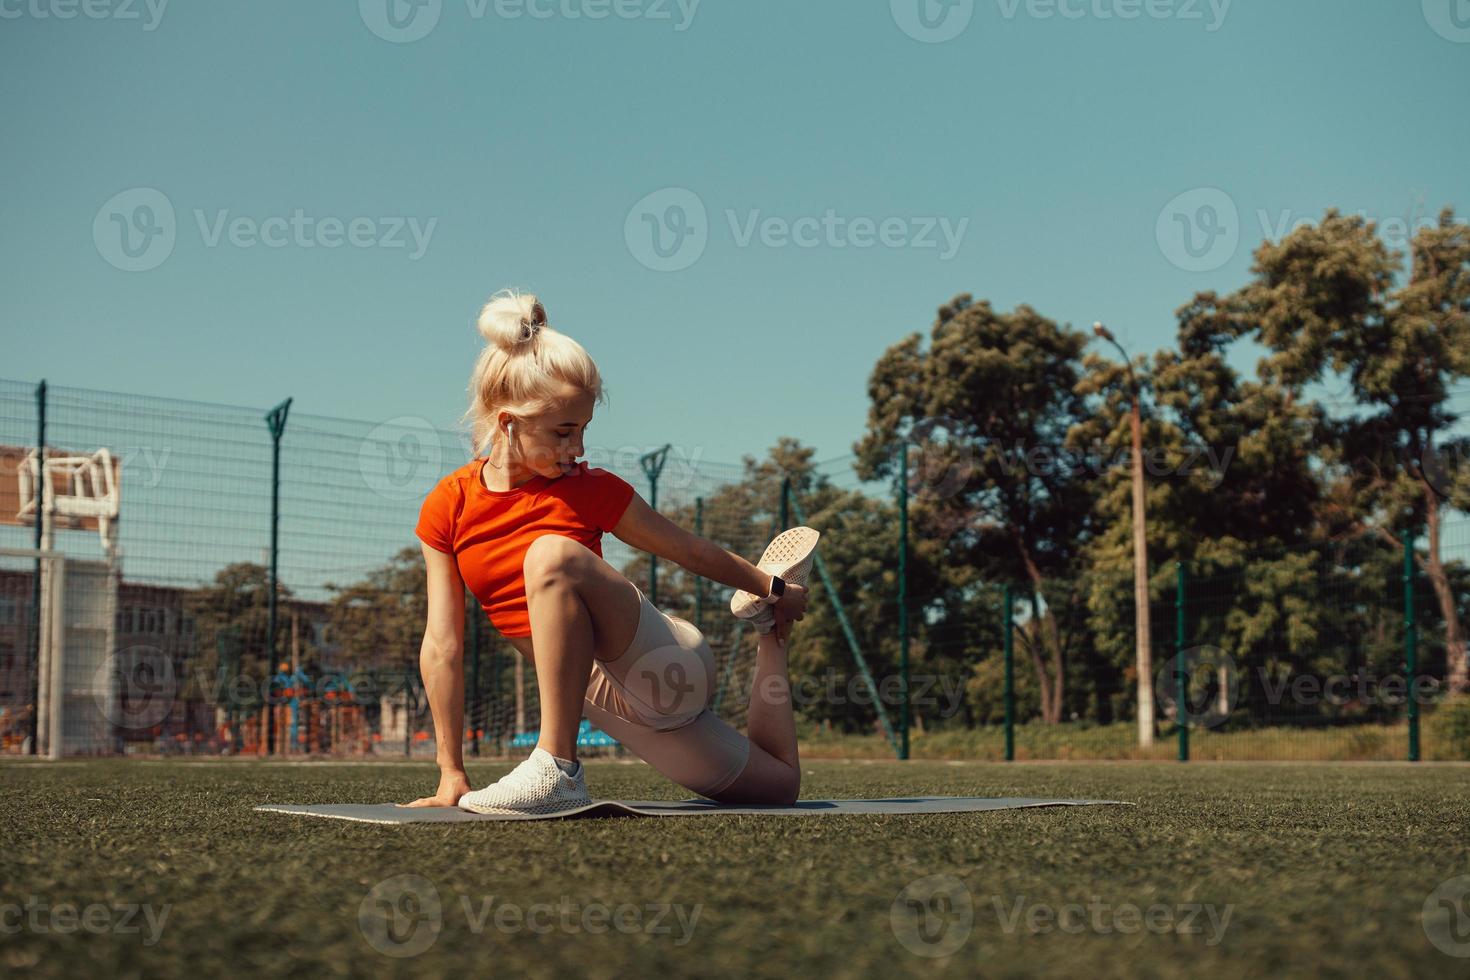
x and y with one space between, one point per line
1001 387
1324 302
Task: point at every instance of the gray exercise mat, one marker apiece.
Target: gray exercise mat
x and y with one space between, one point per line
392 813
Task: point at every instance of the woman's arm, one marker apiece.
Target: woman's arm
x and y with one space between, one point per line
441 664
646 529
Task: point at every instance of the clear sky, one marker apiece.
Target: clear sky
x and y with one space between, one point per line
822 175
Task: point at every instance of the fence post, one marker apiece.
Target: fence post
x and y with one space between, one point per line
474 699
785 504
653 465
1010 688
276 419
699 580
903 599
1181 669
1411 643
33 633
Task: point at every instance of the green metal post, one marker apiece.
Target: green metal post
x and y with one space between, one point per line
653 465
1010 688
785 504
33 635
473 708
491 725
1411 644
698 581
1181 669
276 419
903 600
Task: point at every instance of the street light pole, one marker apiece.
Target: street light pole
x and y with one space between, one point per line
1144 651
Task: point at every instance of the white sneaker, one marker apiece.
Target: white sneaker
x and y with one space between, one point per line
789 555
537 785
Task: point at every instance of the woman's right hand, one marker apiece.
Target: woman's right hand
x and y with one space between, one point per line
452 785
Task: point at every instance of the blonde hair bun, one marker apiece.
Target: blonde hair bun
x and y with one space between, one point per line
511 320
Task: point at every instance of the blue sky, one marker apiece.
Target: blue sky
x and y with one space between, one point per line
853 170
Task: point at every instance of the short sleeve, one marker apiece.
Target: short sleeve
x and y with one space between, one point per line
610 496
436 516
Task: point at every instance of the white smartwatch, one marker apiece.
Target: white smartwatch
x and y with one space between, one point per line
778 588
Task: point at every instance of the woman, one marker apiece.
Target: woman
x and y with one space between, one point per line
521 525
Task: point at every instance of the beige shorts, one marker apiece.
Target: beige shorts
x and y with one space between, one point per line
655 699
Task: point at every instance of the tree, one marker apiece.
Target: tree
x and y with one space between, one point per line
1002 389
1323 302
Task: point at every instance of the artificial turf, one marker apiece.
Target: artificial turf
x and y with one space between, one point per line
1321 869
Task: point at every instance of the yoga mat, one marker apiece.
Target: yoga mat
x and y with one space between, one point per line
391 813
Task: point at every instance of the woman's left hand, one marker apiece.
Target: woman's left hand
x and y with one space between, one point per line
790 608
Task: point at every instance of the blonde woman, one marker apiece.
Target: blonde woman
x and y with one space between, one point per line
521 526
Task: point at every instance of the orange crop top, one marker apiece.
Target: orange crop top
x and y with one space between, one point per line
488 531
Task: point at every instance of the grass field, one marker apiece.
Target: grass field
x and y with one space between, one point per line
1283 869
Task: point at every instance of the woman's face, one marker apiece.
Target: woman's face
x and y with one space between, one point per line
549 444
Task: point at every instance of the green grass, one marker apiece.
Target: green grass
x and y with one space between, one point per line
1324 869
1087 742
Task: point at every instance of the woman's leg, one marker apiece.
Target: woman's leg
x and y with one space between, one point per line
773 773
580 608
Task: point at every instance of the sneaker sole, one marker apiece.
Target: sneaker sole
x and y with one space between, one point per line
788 555
512 811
